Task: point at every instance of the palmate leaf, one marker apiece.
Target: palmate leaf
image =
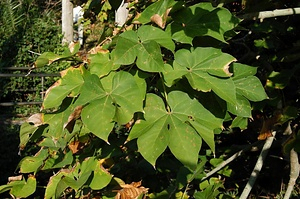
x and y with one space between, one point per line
101 64
181 129
160 7
143 46
22 188
206 69
114 98
71 81
201 20
247 84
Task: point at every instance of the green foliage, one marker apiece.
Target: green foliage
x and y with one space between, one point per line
151 102
24 35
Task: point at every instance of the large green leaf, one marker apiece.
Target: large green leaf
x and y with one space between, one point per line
48 58
143 46
20 188
114 98
101 177
201 20
70 82
26 132
206 69
101 64
157 35
247 84
32 164
55 186
160 7
23 189
242 108
178 129
57 119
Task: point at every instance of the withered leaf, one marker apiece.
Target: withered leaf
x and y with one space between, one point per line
98 49
160 20
36 119
157 19
131 191
69 125
15 178
76 146
268 125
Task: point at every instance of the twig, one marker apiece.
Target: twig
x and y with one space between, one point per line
226 162
34 52
258 166
270 14
294 174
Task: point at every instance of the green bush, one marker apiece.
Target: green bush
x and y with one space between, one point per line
28 29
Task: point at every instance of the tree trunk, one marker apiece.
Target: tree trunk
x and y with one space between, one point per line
67 21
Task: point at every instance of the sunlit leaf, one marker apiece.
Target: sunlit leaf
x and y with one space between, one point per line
32 164
241 108
70 82
160 8
115 97
158 35
23 189
251 88
143 47
177 129
206 69
101 64
101 177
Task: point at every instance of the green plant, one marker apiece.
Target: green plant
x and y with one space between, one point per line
32 29
143 107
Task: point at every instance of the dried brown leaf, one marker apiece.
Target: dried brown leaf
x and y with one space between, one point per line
69 125
36 119
15 178
157 19
268 126
226 69
131 191
160 20
98 49
76 146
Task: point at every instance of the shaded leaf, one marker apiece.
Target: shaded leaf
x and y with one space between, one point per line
26 132
72 118
240 122
201 20
57 119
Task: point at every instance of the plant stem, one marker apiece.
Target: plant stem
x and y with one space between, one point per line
270 14
226 162
165 93
294 173
258 166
